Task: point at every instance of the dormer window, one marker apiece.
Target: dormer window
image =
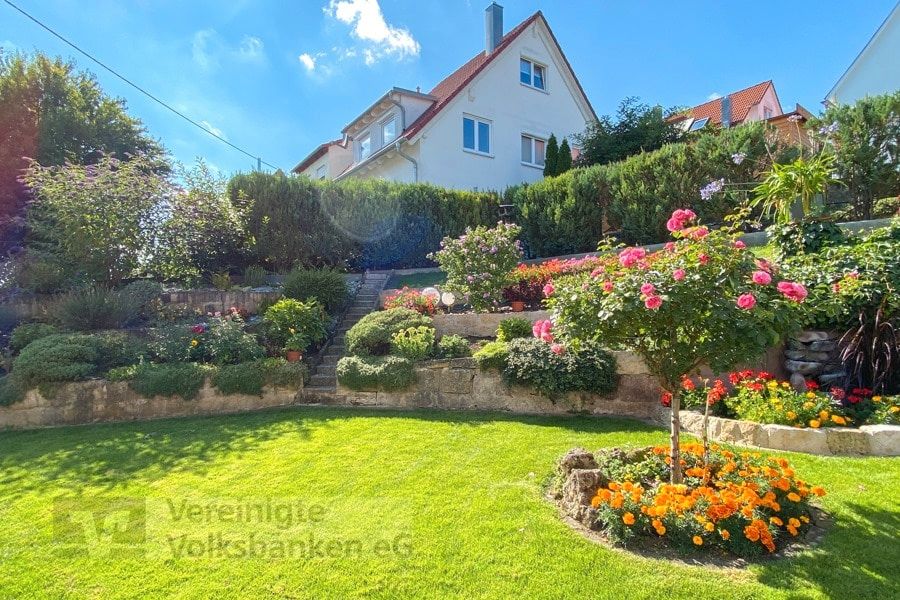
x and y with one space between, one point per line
388 131
365 147
532 74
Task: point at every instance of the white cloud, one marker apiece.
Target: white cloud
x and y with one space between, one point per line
369 26
307 61
714 96
212 129
208 48
251 49
200 49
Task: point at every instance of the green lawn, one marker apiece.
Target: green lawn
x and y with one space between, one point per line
416 280
459 496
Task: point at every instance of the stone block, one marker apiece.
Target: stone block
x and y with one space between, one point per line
823 346
578 489
803 367
829 379
629 363
462 363
737 432
844 441
807 355
457 381
812 336
884 440
795 439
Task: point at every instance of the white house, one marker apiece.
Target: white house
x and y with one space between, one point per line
876 70
483 127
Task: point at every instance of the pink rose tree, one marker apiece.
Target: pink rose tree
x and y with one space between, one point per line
701 301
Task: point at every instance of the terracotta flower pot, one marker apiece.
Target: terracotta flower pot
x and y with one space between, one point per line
517 305
293 355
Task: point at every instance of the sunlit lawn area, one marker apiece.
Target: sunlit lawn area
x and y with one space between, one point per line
461 492
416 280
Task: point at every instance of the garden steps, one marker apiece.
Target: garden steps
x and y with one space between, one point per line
323 382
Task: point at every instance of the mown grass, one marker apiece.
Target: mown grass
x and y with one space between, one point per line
460 495
416 280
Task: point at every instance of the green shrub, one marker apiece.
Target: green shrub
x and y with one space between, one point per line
9 318
413 343
228 343
221 281
278 372
175 379
56 358
255 276
513 328
94 308
144 295
245 378
385 373
26 333
372 334
327 286
288 317
453 346
492 355
11 391
176 343
804 237
44 273
117 349
531 362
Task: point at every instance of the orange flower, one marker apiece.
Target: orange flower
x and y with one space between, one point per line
751 533
628 518
709 527
776 521
792 530
793 497
818 491
698 541
815 424
725 534
838 419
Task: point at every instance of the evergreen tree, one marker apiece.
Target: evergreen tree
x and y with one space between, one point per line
551 156
564 158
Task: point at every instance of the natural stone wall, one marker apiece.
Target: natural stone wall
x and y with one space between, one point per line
207 301
868 440
459 384
482 325
814 355
100 401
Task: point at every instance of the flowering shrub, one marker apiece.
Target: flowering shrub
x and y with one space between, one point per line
479 262
744 503
757 396
411 299
698 301
532 283
540 365
413 343
288 317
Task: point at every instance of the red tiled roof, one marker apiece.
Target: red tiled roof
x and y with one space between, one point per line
741 103
316 155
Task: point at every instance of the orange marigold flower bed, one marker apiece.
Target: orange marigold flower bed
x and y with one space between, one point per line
743 502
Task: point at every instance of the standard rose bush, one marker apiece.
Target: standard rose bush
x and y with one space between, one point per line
699 301
479 262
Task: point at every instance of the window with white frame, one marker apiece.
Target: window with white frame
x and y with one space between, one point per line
533 150
321 172
476 135
365 147
532 74
388 131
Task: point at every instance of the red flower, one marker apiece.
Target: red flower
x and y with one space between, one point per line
838 393
666 399
853 398
716 393
688 384
811 385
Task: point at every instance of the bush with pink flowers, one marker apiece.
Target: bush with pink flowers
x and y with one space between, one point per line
700 301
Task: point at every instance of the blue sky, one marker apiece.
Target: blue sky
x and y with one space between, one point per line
277 78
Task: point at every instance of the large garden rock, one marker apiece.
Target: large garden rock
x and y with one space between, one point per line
847 441
812 336
884 440
803 367
576 458
794 439
579 488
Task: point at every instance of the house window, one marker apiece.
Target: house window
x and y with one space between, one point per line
476 135
321 172
767 113
533 151
532 74
365 147
389 131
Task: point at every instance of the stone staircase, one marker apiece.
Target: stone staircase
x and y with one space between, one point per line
323 381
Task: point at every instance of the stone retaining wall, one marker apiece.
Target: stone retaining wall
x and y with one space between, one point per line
482 325
459 384
868 440
100 401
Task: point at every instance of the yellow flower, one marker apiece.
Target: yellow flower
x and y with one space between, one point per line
772 385
698 541
838 419
815 424
195 343
894 408
876 398
810 395
823 414
785 384
709 527
292 330
791 415
808 405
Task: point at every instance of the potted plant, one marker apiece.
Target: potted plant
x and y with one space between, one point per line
524 291
294 347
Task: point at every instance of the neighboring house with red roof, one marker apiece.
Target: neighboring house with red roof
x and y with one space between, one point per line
485 126
756 103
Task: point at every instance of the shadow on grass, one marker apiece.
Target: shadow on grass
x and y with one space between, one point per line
860 552
108 455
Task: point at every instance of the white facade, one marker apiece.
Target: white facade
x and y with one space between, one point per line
496 98
877 68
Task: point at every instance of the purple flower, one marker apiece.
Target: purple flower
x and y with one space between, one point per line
738 157
828 129
711 188
795 118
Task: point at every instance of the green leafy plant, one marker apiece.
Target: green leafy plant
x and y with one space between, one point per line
453 346
289 317
513 328
803 237
172 379
56 358
179 343
94 308
26 333
11 391
255 276
221 280
244 378
372 334
326 286
413 343
785 184
297 343
278 372
228 343
532 362
492 355
478 263
386 373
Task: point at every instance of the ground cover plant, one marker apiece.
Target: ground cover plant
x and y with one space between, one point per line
488 501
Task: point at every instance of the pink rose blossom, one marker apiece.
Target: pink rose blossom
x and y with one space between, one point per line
764 265
653 302
836 288
670 246
792 291
704 259
678 274
761 278
548 290
557 349
647 289
674 225
698 233
629 256
739 244
746 301
607 286
853 275
596 273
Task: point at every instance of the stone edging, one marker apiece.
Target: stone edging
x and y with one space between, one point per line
868 440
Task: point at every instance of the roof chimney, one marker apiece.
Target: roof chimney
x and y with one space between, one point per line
726 111
493 27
